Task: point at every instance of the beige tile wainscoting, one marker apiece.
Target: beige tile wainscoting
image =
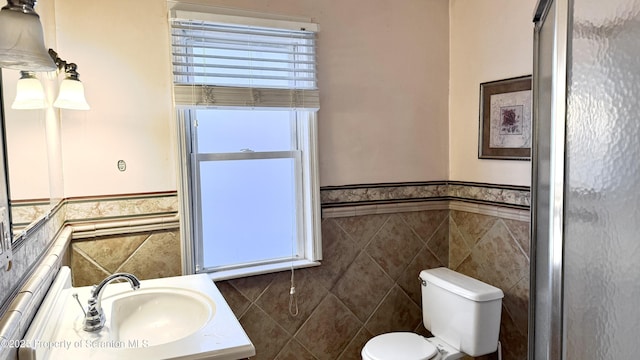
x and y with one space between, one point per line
367 285
376 239
43 248
375 242
496 250
148 255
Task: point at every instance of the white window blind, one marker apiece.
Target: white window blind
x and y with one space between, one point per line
227 65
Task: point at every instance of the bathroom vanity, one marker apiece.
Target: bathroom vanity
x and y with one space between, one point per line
182 317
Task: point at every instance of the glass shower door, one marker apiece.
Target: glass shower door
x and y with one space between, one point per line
586 185
602 231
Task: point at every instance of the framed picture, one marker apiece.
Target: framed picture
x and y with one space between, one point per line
505 119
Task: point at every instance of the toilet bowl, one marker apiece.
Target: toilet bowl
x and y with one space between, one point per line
408 346
400 345
462 313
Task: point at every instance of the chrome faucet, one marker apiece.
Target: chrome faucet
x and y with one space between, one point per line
94 318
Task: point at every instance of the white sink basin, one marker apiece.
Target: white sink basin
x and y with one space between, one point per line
182 317
162 314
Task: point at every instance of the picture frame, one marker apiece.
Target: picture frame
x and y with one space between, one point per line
505 119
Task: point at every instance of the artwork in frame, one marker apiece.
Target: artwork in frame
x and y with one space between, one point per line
505 119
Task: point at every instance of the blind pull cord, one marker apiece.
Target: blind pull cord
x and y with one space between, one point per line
293 299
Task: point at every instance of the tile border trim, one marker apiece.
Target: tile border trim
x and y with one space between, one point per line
517 197
482 209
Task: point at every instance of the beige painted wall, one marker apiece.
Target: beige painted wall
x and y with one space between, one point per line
399 85
383 79
490 40
384 69
122 51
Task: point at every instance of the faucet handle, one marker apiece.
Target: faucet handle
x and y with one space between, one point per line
92 310
94 319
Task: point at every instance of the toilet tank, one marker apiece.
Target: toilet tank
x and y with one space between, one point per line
462 311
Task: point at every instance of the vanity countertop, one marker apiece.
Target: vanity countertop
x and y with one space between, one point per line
56 331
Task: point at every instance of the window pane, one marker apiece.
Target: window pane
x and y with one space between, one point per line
248 210
221 131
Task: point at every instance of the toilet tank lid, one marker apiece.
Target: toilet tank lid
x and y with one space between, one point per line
461 284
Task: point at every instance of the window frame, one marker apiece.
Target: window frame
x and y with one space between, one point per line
308 203
302 101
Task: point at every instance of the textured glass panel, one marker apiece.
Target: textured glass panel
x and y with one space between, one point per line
228 131
244 204
602 242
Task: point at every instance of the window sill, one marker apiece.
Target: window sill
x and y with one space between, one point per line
260 269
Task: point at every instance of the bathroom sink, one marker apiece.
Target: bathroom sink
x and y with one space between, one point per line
182 317
162 314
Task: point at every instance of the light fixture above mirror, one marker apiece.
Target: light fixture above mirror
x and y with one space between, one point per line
22 39
30 93
71 93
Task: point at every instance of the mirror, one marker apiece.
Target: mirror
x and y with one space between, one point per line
27 159
34 164
5 233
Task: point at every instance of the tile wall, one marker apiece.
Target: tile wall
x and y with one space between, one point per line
148 255
43 248
375 242
496 250
29 252
15 320
376 239
368 283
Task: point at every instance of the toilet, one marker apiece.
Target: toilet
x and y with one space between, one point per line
461 312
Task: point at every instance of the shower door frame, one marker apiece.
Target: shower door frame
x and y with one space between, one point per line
546 315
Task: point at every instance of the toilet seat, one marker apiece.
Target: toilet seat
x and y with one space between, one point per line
399 345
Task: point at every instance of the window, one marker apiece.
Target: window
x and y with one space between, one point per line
246 100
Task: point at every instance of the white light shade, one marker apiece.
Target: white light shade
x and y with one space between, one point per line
22 42
71 95
29 93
